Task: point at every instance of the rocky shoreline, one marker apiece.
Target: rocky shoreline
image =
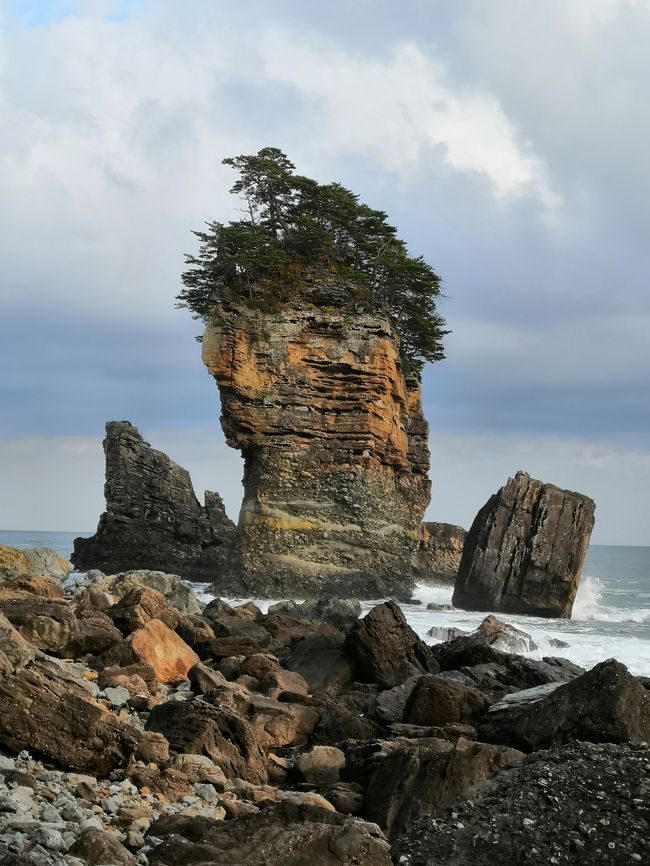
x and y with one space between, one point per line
139 727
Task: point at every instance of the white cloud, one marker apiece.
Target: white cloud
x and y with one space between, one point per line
399 107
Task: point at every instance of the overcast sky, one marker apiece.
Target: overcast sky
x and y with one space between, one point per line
508 141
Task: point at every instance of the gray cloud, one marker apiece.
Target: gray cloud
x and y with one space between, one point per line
506 140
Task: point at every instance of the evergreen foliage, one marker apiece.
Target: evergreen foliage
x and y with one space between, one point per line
294 227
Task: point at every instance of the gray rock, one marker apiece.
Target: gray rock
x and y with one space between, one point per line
525 549
50 839
118 696
153 519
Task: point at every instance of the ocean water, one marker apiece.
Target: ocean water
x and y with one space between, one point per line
611 614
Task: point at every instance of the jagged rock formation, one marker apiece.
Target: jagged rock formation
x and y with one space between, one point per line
334 444
525 550
153 520
438 556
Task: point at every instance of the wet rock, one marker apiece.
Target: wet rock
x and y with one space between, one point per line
281 835
445 633
436 701
606 704
505 637
383 643
525 549
153 519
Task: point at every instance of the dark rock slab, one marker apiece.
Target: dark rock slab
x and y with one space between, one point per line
436 701
386 648
222 733
153 519
525 550
605 705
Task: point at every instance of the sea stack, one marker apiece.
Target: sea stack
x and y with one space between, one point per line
334 444
153 519
525 550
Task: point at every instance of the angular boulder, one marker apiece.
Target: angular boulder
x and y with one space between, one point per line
38 561
435 701
605 705
221 733
525 550
48 711
156 645
386 648
153 519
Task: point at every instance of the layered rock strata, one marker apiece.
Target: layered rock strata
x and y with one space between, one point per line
153 519
525 550
438 556
334 445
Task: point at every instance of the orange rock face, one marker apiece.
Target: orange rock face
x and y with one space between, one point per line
158 646
334 444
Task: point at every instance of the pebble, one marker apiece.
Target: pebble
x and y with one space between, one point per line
50 839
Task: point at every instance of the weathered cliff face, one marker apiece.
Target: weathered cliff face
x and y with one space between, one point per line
438 555
153 520
525 550
334 444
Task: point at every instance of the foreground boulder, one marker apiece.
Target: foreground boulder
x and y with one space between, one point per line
421 777
386 648
153 519
282 835
580 805
221 733
50 712
525 550
605 705
39 561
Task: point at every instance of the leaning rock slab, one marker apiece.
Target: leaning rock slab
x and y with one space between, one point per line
162 649
385 646
45 710
525 550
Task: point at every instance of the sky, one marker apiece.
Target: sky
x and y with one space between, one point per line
507 140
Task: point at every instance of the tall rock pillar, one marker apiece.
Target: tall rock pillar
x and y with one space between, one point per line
334 445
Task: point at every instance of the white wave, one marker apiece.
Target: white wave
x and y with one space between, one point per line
589 606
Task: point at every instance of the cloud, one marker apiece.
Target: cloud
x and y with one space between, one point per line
505 140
